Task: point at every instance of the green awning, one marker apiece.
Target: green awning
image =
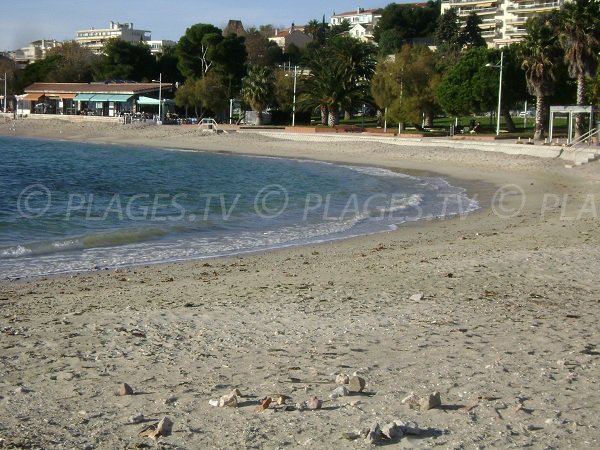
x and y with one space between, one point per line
83 97
154 101
121 98
100 98
147 101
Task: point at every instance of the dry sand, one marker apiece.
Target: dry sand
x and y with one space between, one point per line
507 325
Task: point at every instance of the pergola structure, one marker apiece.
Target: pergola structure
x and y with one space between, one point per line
572 111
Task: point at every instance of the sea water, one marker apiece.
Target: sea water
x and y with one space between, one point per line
70 207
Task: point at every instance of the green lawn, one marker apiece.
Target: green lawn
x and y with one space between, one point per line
525 126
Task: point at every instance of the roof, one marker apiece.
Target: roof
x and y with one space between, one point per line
287 32
95 88
356 13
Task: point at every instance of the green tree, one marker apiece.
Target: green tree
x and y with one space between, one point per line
579 36
188 96
194 49
415 73
470 35
258 89
229 61
384 86
447 35
469 86
212 93
125 61
284 90
408 21
261 51
69 63
339 76
74 64
167 65
540 55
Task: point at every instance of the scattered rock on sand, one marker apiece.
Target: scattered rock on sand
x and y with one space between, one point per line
430 401
138 418
263 405
356 384
374 435
229 399
392 430
314 403
417 297
125 389
162 428
409 427
342 379
340 391
411 400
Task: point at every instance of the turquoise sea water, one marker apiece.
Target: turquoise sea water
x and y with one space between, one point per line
69 207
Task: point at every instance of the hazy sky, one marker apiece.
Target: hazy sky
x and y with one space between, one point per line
28 20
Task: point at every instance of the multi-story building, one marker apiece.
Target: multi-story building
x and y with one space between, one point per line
35 51
362 22
159 47
95 39
503 21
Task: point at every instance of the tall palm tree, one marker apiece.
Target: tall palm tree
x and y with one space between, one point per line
339 74
539 53
258 89
580 38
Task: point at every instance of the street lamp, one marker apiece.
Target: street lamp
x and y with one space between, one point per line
5 93
159 98
499 89
294 99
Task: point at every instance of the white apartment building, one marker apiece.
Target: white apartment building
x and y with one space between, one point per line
158 47
96 38
35 51
362 22
503 21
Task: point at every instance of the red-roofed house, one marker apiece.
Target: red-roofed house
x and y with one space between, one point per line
294 35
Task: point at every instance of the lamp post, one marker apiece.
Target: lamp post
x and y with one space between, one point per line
294 102
159 122
5 93
500 66
294 98
160 98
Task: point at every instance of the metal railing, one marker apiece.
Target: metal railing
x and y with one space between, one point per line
585 137
208 123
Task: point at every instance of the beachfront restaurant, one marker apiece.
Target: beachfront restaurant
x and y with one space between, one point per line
106 99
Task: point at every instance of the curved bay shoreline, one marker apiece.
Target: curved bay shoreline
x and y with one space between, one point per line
508 320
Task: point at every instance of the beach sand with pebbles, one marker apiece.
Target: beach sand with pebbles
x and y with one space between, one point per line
497 311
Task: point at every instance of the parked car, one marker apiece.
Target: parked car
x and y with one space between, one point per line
528 113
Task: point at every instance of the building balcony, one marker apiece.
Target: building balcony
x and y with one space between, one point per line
516 31
463 12
462 3
534 7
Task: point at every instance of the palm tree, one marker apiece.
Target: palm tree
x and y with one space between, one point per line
580 38
540 53
330 88
339 74
258 89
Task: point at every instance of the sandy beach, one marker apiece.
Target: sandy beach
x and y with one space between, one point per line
498 311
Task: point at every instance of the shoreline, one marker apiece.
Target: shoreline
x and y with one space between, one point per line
470 187
497 312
